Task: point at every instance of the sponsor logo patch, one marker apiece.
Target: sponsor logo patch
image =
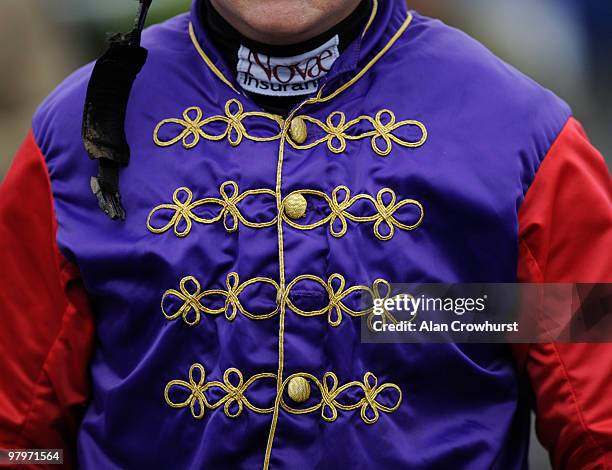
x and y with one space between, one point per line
285 76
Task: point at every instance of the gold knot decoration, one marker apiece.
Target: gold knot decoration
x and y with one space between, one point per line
183 210
298 389
329 403
234 394
189 302
191 297
295 206
382 129
234 389
298 130
194 125
337 293
341 202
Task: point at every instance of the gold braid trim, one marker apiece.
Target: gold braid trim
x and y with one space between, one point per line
192 299
335 287
198 402
339 204
235 387
331 392
194 126
383 125
207 60
336 129
183 208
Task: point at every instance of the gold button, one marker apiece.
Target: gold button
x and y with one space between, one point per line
299 389
298 130
295 206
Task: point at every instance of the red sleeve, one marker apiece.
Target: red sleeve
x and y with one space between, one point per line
565 234
46 323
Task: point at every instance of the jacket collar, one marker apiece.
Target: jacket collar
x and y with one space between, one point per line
388 19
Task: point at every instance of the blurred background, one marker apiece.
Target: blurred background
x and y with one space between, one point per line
566 45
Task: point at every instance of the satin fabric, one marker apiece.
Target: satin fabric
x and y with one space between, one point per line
489 128
47 326
570 381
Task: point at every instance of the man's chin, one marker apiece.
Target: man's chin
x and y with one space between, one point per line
283 21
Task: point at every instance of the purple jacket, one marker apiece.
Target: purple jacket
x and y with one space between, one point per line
227 304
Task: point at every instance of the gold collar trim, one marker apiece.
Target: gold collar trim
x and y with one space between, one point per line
372 16
322 99
207 60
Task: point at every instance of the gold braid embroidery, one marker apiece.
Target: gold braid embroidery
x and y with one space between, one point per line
198 401
194 124
183 211
383 295
335 127
340 211
335 308
336 134
329 404
192 306
339 206
318 99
